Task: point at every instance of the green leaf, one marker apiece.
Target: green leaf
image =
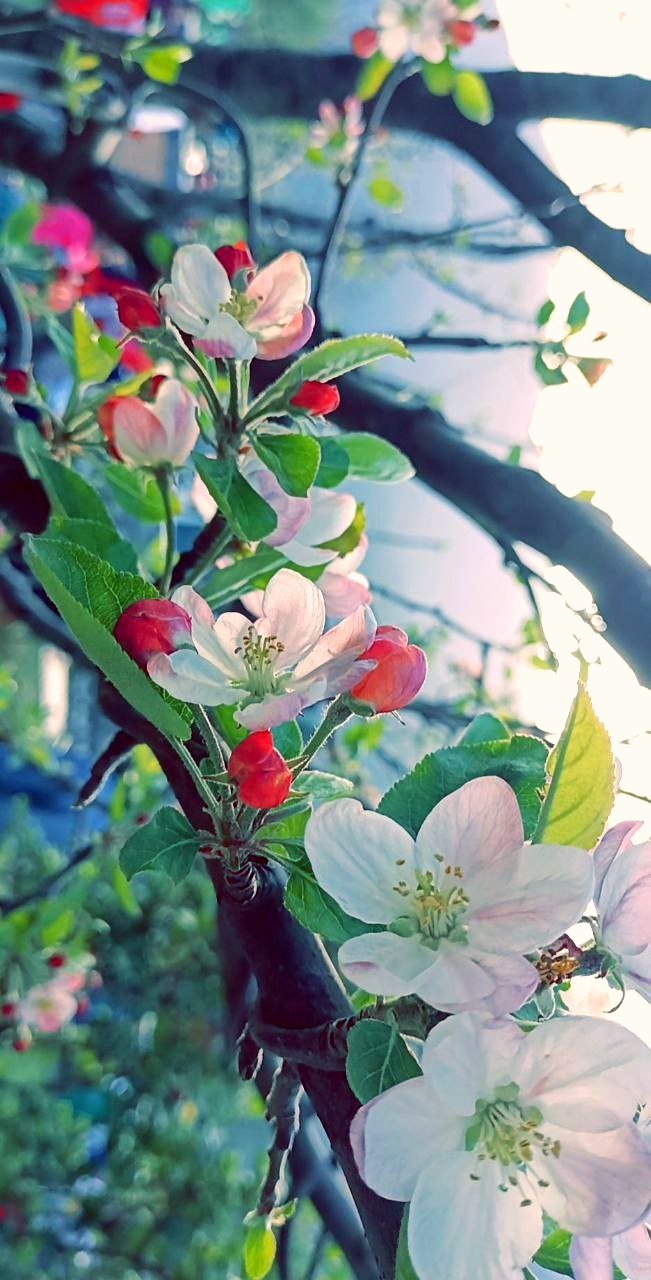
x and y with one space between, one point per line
485 728
349 539
333 467
371 458
519 760
99 538
288 739
372 75
294 460
18 226
554 1253
404 1268
96 354
259 1249
331 359
250 517
159 248
249 571
577 316
90 596
322 786
36 1067
315 909
166 843
550 377
386 193
472 97
163 62
377 1058
136 491
545 313
582 788
69 494
439 77
58 928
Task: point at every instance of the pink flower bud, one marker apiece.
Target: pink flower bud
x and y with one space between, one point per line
151 435
364 42
399 674
235 257
137 310
260 772
461 31
316 397
148 627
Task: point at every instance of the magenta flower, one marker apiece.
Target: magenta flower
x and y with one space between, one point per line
65 229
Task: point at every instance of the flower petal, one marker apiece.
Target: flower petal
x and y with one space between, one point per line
473 826
294 612
330 515
632 1253
348 639
465 1057
552 1069
280 291
176 410
614 840
343 593
292 338
276 708
513 979
625 900
187 676
455 980
199 280
138 435
395 1136
591 1257
225 339
535 896
487 1233
291 512
386 964
599 1182
358 856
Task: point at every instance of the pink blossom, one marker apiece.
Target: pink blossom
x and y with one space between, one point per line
151 435
50 1005
592 1257
338 128
66 228
623 902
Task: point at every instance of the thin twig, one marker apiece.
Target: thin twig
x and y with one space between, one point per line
43 889
433 611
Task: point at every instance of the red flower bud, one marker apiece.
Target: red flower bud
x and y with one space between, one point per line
21 1045
57 961
400 672
8 1008
16 382
316 397
148 627
9 101
235 257
461 31
364 42
135 357
137 310
262 777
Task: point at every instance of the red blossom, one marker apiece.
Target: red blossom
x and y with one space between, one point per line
260 772
364 42
235 257
112 14
152 626
316 397
16 382
136 309
399 674
10 101
461 31
57 960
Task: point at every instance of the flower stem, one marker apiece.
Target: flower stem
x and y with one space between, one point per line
165 486
210 801
210 393
234 400
337 714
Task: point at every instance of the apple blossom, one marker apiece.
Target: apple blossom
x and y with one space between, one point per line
152 435
151 626
262 776
276 666
503 1126
343 588
399 673
269 317
460 905
48 1006
623 903
417 28
592 1257
316 397
236 257
113 15
302 524
64 228
338 128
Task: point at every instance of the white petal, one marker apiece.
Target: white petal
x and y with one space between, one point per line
182 317
473 826
187 676
219 644
625 900
299 553
513 980
591 1257
614 840
276 708
551 1069
467 1056
176 410
200 282
292 610
461 1229
397 1134
225 338
358 857
534 896
384 963
600 1181
632 1253
455 979
331 514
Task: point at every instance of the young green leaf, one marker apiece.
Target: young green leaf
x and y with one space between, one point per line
259 1249
485 728
371 458
582 787
372 75
249 571
163 62
333 467
439 77
331 359
288 739
578 314
472 97
99 538
349 539
69 494
315 909
294 460
166 843
554 1253
96 354
544 313
136 491
322 786
377 1058
386 193
250 517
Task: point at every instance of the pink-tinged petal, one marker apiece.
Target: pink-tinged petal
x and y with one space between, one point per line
430 46
225 339
637 970
206 506
338 675
199 610
329 516
393 42
199 281
454 980
294 336
352 560
291 512
293 611
386 964
529 898
591 1257
63 226
344 593
280 291
472 827
612 843
489 1234
396 1135
466 1057
176 410
358 857
625 900
632 1253
599 1182
514 980
187 676
552 1073
270 711
347 640
138 435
